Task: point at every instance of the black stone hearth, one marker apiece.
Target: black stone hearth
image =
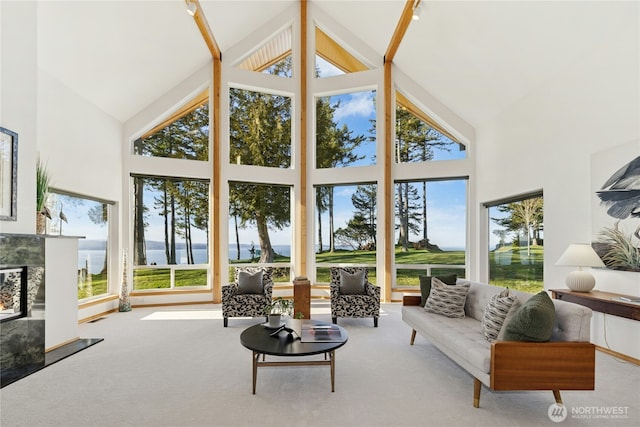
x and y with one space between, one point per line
9 376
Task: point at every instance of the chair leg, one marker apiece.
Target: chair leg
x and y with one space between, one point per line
334 320
375 322
225 321
413 336
477 386
556 395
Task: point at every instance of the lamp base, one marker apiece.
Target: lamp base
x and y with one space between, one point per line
580 281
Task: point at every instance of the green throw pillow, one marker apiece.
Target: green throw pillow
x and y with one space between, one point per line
533 321
425 285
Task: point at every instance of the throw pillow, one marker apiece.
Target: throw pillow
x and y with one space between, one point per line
446 299
425 285
495 313
250 283
533 321
352 284
514 307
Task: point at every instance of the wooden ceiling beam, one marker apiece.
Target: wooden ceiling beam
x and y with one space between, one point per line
401 29
205 30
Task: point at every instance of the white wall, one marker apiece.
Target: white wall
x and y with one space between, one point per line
72 131
18 98
546 141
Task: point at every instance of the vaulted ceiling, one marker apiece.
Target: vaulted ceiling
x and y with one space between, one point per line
476 57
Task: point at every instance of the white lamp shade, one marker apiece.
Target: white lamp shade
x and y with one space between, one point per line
580 255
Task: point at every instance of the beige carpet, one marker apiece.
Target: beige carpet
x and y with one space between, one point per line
178 366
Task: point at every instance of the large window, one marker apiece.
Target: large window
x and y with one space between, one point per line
74 215
430 224
346 227
516 249
260 226
345 130
259 129
171 220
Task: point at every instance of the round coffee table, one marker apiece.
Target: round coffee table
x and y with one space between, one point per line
259 340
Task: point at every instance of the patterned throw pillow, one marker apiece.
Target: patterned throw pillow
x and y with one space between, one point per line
446 299
495 313
352 284
425 285
250 283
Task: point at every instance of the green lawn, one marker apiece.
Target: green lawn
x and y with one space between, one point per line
510 267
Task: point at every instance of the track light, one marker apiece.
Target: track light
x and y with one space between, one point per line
417 11
191 8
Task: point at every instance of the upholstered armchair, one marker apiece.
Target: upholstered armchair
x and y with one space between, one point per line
249 294
352 295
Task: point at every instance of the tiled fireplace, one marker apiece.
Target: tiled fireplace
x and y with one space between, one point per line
22 296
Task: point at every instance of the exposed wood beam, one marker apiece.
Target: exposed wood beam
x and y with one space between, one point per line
301 228
401 29
205 30
388 206
214 204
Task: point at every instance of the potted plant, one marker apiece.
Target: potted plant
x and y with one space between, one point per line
276 309
42 190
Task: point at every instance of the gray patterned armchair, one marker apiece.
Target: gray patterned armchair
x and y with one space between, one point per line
235 303
353 304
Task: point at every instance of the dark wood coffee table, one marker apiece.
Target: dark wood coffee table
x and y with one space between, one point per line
259 340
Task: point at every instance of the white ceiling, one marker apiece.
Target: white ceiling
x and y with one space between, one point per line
476 57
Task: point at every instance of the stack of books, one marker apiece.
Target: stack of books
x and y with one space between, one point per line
321 333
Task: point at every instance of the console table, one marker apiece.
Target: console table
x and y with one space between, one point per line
603 302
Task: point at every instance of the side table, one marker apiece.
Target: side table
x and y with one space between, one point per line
302 297
603 302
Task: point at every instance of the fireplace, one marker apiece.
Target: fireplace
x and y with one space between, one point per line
13 293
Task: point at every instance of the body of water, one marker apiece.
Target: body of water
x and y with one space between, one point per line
94 258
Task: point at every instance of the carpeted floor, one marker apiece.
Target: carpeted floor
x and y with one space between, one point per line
178 366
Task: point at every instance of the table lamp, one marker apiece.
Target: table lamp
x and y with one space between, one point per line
580 255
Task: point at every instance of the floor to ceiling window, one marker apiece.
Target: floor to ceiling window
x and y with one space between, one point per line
170 213
516 242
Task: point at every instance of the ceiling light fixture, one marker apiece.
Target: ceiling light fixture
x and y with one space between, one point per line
191 8
417 11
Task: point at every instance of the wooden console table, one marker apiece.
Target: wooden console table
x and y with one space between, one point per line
603 302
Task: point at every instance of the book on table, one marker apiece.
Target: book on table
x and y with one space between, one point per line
321 333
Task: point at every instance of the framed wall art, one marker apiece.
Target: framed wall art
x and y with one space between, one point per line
615 209
8 174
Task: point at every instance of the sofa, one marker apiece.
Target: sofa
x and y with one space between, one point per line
565 362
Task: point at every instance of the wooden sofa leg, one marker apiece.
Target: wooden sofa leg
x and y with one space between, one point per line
477 386
413 336
334 320
375 322
556 395
226 322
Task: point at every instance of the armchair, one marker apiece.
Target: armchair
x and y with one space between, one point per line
365 304
235 303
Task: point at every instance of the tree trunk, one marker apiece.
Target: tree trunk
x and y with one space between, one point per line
331 239
140 253
173 230
319 231
266 251
425 236
167 250
235 223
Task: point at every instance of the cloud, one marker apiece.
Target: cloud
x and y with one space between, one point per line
356 104
326 69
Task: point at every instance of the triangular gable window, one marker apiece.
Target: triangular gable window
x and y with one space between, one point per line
332 59
419 138
274 57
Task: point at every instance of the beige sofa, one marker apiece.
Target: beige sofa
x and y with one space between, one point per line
567 362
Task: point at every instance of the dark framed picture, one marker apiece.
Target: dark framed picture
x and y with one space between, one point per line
8 174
